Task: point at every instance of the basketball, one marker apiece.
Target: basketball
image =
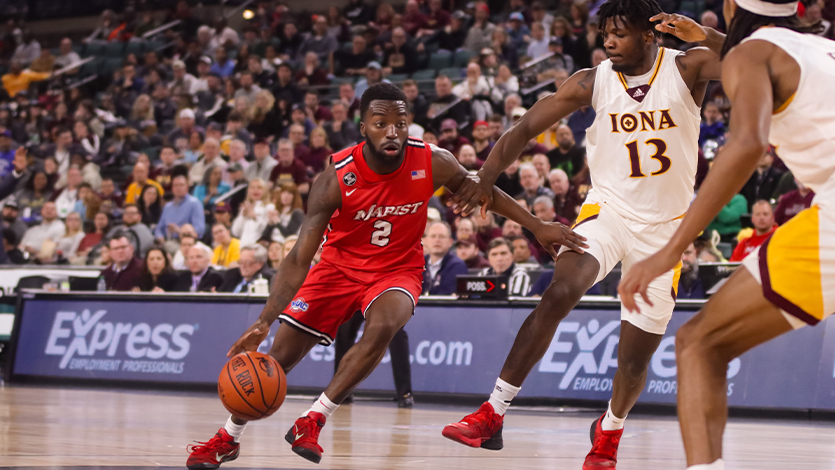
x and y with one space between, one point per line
252 386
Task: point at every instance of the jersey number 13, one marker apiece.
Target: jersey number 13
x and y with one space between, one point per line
635 158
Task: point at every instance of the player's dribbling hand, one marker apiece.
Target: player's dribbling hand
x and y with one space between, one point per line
554 233
472 192
680 26
251 339
637 280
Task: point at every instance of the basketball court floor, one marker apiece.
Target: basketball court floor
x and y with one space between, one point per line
77 428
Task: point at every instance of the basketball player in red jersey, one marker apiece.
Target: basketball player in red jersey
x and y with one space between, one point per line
370 206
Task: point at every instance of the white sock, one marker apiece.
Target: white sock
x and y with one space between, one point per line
323 405
502 395
234 430
612 422
718 465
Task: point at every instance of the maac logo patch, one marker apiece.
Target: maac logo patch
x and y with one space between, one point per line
349 179
299 305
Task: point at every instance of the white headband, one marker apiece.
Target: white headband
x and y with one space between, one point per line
768 9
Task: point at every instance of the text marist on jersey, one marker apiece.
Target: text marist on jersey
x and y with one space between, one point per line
375 211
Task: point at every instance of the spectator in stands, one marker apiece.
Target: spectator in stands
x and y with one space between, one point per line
452 36
476 91
467 158
61 149
522 253
508 180
101 226
66 55
140 180
108 192
342 133
287 217
299 129
486 230
125 271
496 127
319 151
399 55
223 65
227 249
481 140
352 63
437 17
538 44
793 202
185 126
211 158
543 167
518 31
467 250
150 206
183 209
264 118
263 164
211 187
465 228
237 157
712 126
7 153
68 244
531 184
512 103
567 156
763 182
319 42
543 208
416 101
503 84
311 73
275 254
762 217
480 34
67 197
289 168
10 251
132 224
728 222
314 111
446 104
10 220
34 195
500 256
188 239
252 266
200 277
18 79
285 87
373 76
567 200
253 216
442 266
157 273
689 284
247 88
450 138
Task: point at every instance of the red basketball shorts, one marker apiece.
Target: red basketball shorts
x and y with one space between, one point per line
331 295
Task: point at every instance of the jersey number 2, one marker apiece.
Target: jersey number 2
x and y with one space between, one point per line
380 237
635 158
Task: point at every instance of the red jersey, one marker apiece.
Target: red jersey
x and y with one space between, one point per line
382 218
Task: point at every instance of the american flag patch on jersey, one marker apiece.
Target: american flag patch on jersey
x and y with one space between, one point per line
418 174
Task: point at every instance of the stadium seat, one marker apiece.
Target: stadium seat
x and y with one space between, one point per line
440 59
454 73
428 74
462 58
134 47
91 68
337 81
94 49
152 45
110 65
114 49
397 77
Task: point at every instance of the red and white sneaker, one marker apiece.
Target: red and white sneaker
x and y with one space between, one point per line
221 448
480 429
304 436
604 449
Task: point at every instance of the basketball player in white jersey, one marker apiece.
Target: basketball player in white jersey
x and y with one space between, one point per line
779 82
642 151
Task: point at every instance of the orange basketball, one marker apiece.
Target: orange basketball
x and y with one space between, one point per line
252 386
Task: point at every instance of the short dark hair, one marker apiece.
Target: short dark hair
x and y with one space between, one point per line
381 91
235 116
636 13
132 204
497 242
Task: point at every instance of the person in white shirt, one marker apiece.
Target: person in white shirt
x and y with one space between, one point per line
40 240
65 202
181 256
252 219
475 86
538 46
67 56
186 81
237 154
264 163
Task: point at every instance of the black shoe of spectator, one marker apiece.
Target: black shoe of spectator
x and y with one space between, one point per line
406 401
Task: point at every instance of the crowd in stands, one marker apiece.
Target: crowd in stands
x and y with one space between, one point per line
187 166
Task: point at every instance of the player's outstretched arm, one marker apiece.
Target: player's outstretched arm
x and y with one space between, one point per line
746 80
447 172
573 94
697 63
325 199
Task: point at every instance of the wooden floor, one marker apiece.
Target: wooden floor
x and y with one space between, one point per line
82 428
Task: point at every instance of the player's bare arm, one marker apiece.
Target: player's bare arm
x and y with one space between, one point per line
747 81
447 172
325 199
478 189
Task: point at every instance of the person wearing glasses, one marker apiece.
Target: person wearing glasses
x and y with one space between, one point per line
124 272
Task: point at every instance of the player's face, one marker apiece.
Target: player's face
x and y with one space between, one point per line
385 129
625 46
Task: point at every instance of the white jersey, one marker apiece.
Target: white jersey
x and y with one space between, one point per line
803 130
643 145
